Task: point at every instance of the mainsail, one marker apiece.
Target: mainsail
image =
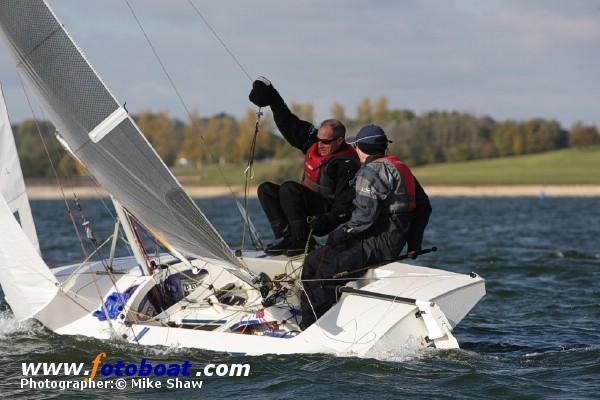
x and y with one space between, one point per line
100 132
12 186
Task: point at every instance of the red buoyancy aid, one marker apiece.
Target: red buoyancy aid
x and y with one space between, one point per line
315 163
408 180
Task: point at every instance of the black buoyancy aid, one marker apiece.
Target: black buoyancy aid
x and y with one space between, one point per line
315 164
404 197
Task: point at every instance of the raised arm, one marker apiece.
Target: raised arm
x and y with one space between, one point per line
300 134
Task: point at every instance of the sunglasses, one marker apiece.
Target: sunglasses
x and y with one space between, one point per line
327 141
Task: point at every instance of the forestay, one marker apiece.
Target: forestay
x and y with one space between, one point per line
100 132
12 186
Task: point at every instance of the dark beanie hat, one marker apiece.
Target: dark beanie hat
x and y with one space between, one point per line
371 139
372 149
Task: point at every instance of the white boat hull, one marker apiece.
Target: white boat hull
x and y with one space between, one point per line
357 325
211 305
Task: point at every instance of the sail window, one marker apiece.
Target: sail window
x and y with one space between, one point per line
18 217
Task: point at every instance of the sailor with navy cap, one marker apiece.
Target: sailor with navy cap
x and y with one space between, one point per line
390 210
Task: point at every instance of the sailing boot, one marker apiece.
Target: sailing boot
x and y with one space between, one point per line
279 247
281 230
298 248
298 237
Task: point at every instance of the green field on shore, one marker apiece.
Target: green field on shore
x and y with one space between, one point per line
233 174
568 166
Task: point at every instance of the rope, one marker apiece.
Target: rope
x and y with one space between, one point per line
86 224
140 244
54 172
249 174
100 197
96 185
292 281
107 268
97 248
180 97
237 310
86 260
69 212
249 169
307 245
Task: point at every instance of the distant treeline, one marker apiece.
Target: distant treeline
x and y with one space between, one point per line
433 137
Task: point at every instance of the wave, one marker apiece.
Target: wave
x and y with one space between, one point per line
9 325
409 351
553 352
575 254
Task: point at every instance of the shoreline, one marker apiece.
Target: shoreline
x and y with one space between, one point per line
52 192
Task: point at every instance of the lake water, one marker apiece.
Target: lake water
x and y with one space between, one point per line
534 336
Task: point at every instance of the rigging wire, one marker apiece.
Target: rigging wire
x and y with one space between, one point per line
54 172
178 93
87 255
94 182
85 262
90 235
248 172
69 211
86 224
96 251
237 61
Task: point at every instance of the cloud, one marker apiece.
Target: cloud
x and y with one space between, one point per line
508 59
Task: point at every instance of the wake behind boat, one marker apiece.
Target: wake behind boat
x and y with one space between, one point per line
201 294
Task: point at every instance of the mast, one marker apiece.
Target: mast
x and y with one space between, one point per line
103 136
132 238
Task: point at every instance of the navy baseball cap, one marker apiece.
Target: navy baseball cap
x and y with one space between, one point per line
370 135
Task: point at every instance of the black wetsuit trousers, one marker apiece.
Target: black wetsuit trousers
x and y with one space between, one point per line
321 265
287 206
319 293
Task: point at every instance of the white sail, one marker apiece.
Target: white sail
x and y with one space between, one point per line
12 186
26 280
100 132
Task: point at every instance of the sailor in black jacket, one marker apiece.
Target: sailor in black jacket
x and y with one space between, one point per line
324 192
390 210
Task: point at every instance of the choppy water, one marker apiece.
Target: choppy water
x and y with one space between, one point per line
534 336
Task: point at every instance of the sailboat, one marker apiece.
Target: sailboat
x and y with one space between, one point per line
200 294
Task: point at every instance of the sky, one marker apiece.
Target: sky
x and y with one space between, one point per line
508 59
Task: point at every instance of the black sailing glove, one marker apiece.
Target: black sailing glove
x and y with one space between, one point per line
263 93
321 224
